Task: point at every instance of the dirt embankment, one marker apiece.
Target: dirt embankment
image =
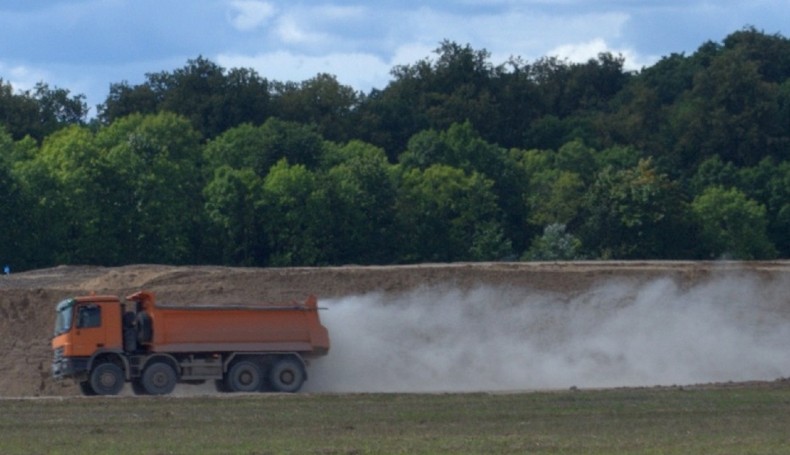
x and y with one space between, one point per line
27 299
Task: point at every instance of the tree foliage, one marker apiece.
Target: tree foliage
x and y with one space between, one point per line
732 225
39 112
457 158
632 213
554 245
444 213
295 214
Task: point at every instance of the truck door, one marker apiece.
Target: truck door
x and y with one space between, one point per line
89 332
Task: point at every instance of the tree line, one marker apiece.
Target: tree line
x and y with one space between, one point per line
456 159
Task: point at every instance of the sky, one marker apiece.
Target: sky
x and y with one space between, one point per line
86 45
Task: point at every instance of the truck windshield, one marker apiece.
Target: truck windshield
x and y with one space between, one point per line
65 310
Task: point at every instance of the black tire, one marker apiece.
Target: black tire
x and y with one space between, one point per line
245 376
137 388
221 386
287 375
159 378
107 379
86 389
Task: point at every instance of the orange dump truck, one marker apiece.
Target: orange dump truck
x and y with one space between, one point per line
103 342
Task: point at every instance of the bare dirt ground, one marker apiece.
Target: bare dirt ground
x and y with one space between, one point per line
27 299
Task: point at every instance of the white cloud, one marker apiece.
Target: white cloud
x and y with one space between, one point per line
582 52
512 32
291 32
22 77
522 33
251 14
323 27
408 54
315 44
359 70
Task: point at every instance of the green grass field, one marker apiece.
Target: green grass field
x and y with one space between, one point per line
717 420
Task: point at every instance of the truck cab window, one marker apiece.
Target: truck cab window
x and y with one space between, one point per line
65 310
89 316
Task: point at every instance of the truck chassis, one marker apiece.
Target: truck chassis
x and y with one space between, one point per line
158 373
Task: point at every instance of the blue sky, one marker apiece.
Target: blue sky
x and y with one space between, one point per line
85 45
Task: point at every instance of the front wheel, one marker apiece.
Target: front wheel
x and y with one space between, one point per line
159 378
107 379
86 389
287 375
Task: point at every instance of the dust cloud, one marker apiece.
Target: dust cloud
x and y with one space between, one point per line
619 333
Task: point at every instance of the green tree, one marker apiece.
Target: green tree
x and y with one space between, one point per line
569 88
155 194
260 147
233 200
634 213
239 147
455 87
295 214
459 146
212 98
619 157
769 184
554 245
125 99
322 102
62 182
361 191
299 144
57 108
518 98
554 197
731 111
771 52
577 158
39 112
732 225
18 113
553 193
462 147
444 213
713 172
16 210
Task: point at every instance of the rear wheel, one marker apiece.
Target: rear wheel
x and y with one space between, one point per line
287 375
107 379
159 378
245 376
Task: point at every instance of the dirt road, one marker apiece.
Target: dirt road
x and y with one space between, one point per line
27 299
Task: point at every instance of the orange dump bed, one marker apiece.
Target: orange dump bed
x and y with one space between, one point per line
295 328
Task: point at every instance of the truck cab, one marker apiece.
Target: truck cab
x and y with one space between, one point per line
84 327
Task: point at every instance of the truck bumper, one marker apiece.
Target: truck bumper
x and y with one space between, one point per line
69 367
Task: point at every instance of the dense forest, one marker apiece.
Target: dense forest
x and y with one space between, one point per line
457 159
